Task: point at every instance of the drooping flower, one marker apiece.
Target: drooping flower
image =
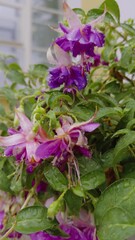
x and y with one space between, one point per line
69 138
23 143
79 38
65 73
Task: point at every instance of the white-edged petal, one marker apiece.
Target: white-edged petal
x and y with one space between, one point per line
50 57
71 16
31 148
25 123
12 140
63 58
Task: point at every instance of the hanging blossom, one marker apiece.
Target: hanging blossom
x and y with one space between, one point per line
79 38
76 228
65 72
69 138
23 143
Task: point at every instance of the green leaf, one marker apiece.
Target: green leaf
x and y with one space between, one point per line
39 70
115 211
73 202
122 144
4 182
128 170
53 121
33 219
81 112
55 178
128 28
8 95
87 165
95 13
2 110
16 76
126 57
107 111
92 179
112 7
79 11
16 184
57 97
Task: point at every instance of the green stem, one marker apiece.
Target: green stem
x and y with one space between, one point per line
116 173
28 198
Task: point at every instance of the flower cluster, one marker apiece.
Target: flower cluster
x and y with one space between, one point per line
25 144
77 40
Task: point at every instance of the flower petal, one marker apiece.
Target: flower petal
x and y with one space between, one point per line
48 148
25 123
31 148
87 126
50 57
71 16
63 57
84 151
12 140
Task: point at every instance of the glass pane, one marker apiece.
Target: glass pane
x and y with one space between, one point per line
9 24
16 1
45 18
42 36
39 57
46 3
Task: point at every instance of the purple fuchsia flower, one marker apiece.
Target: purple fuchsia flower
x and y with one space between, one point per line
69 138
65 73
23 143
79 38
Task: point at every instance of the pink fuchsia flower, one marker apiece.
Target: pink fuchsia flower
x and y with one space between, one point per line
69 138
65 73
79 38
23 143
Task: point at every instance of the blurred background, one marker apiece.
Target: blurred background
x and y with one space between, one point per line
24 25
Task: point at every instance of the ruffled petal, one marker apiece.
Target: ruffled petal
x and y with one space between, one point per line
12 140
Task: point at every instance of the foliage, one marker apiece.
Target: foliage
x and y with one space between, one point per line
101 183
